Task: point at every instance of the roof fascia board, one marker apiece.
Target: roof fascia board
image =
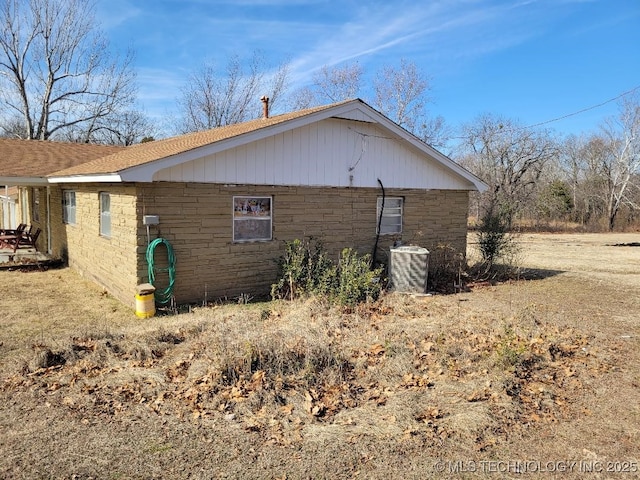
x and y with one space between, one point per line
104 178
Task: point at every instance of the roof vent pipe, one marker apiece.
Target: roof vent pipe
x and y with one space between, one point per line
265 106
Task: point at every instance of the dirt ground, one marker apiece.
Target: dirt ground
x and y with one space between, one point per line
538 377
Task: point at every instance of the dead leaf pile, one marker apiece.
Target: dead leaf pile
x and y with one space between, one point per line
517 376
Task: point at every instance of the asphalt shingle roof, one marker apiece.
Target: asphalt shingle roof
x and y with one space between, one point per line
36 158
142 153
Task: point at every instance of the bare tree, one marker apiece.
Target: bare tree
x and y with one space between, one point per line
329 85
338 83
56 72
126 128
620 164
572 165
434 131
212 99
302 98
402 94
13 127
129 127
510 158
581 160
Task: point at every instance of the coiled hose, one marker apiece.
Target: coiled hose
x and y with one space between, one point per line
162 296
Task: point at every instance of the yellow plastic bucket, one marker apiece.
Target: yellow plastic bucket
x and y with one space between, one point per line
145 301
145 305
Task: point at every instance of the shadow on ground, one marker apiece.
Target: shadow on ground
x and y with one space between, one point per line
538 273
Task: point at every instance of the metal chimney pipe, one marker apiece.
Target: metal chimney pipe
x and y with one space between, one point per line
265 106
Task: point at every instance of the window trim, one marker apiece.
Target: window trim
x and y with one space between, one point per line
105 214
400 224
67 207
240 216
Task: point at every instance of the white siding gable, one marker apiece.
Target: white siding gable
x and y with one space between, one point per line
330 152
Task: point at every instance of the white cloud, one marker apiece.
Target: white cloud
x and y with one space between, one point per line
447 29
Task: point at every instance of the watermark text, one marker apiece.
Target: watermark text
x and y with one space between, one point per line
535 466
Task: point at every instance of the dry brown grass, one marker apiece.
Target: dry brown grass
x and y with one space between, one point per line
543 370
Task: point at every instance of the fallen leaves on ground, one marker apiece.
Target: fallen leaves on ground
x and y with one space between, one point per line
521 376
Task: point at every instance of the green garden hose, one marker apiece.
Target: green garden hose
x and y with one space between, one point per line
162 296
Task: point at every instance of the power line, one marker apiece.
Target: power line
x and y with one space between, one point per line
584 109
564 116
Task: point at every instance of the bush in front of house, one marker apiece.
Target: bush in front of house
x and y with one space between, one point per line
307 269
357 281
496 243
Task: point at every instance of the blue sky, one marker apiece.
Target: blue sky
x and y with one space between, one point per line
529 60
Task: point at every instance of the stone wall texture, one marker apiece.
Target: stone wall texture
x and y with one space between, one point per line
197 219
110 261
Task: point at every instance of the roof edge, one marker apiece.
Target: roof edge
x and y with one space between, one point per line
98 178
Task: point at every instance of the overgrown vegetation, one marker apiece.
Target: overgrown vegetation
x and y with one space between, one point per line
447 269
306 269
496 243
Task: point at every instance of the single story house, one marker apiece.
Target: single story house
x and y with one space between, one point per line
226 199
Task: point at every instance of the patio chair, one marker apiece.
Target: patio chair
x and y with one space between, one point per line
17 231
29 239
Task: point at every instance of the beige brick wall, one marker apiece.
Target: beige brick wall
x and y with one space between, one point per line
197 220
110 261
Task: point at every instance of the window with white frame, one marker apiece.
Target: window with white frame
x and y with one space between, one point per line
69 207
251 219
36 205
105 214
391 221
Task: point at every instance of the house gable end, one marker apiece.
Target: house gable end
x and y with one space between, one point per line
331 152
142 163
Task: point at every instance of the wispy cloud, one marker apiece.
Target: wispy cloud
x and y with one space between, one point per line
455 29
460 41
325 35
